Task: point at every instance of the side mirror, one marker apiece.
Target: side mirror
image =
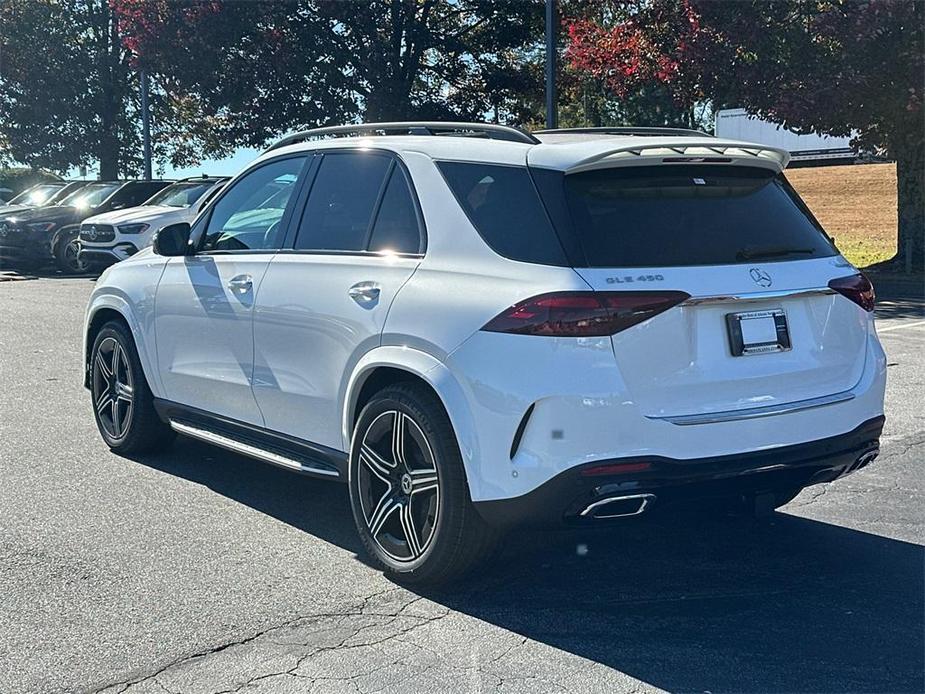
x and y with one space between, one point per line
172 240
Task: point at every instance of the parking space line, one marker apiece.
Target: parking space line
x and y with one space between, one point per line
903 325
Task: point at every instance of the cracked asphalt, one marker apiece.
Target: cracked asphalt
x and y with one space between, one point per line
201 571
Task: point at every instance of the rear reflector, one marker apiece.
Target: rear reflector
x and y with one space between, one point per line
583 314
614 469
857 288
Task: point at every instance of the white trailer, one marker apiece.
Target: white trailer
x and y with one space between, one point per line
737 124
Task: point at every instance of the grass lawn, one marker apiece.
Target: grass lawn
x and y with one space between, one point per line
855 204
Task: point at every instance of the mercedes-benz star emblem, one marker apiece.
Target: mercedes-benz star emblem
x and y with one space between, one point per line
761 278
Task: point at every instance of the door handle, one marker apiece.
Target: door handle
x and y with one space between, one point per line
364 292
241 283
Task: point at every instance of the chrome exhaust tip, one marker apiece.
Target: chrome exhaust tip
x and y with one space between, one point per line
618 506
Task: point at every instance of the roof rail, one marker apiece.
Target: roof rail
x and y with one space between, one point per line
202 177
483 130
630 130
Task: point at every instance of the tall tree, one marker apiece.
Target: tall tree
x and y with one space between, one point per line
65 86
841 67
256 69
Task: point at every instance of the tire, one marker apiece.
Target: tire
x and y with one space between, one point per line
123 405
423 484
67 249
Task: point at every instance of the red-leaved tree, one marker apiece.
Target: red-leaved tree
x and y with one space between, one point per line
840 67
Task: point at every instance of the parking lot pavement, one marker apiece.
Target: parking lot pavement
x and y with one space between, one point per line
200 571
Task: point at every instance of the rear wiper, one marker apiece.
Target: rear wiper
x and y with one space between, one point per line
752 253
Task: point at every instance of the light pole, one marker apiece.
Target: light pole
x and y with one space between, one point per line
552 115
145 125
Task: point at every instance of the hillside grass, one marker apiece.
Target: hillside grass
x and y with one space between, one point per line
856 205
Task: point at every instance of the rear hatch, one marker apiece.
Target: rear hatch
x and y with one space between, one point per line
761 328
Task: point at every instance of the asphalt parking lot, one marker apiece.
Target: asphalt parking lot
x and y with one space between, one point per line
200 571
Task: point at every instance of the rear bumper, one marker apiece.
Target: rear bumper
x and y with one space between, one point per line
667 482
539 407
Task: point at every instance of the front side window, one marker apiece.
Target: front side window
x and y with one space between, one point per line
342 202
249 215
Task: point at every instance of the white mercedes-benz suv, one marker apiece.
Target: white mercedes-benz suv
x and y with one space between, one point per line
475 327
113 236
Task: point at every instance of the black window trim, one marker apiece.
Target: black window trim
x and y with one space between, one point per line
396 164
205 215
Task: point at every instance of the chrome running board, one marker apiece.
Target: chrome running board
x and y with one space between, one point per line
249 449
753 412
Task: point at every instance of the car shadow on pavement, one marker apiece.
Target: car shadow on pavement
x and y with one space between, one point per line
685 604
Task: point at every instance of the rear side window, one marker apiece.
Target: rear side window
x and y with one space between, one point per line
342 201
662 216
137 193
396 227
504 207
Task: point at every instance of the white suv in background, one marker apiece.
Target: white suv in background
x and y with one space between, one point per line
113 236
475 327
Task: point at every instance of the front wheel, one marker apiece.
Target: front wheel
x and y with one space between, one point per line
67 253
408 489
123 405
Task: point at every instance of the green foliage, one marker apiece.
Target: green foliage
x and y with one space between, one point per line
251 71
68 93
838 67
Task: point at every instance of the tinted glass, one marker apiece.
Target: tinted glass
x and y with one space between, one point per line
341 202
136 193
91 195
36 195
64 191
248 216
504 207
180 194
671 216
396 227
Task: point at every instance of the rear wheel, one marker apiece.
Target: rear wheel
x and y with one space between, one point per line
67 253
408 489
122 402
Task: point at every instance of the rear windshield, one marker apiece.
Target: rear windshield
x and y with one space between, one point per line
660 216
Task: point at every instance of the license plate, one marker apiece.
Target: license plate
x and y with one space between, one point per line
758 332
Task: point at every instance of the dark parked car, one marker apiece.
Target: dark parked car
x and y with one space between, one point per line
63 191
36 196
35 237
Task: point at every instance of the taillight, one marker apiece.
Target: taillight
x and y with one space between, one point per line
583 314
857 288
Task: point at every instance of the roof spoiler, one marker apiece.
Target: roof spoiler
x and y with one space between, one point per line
693 151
